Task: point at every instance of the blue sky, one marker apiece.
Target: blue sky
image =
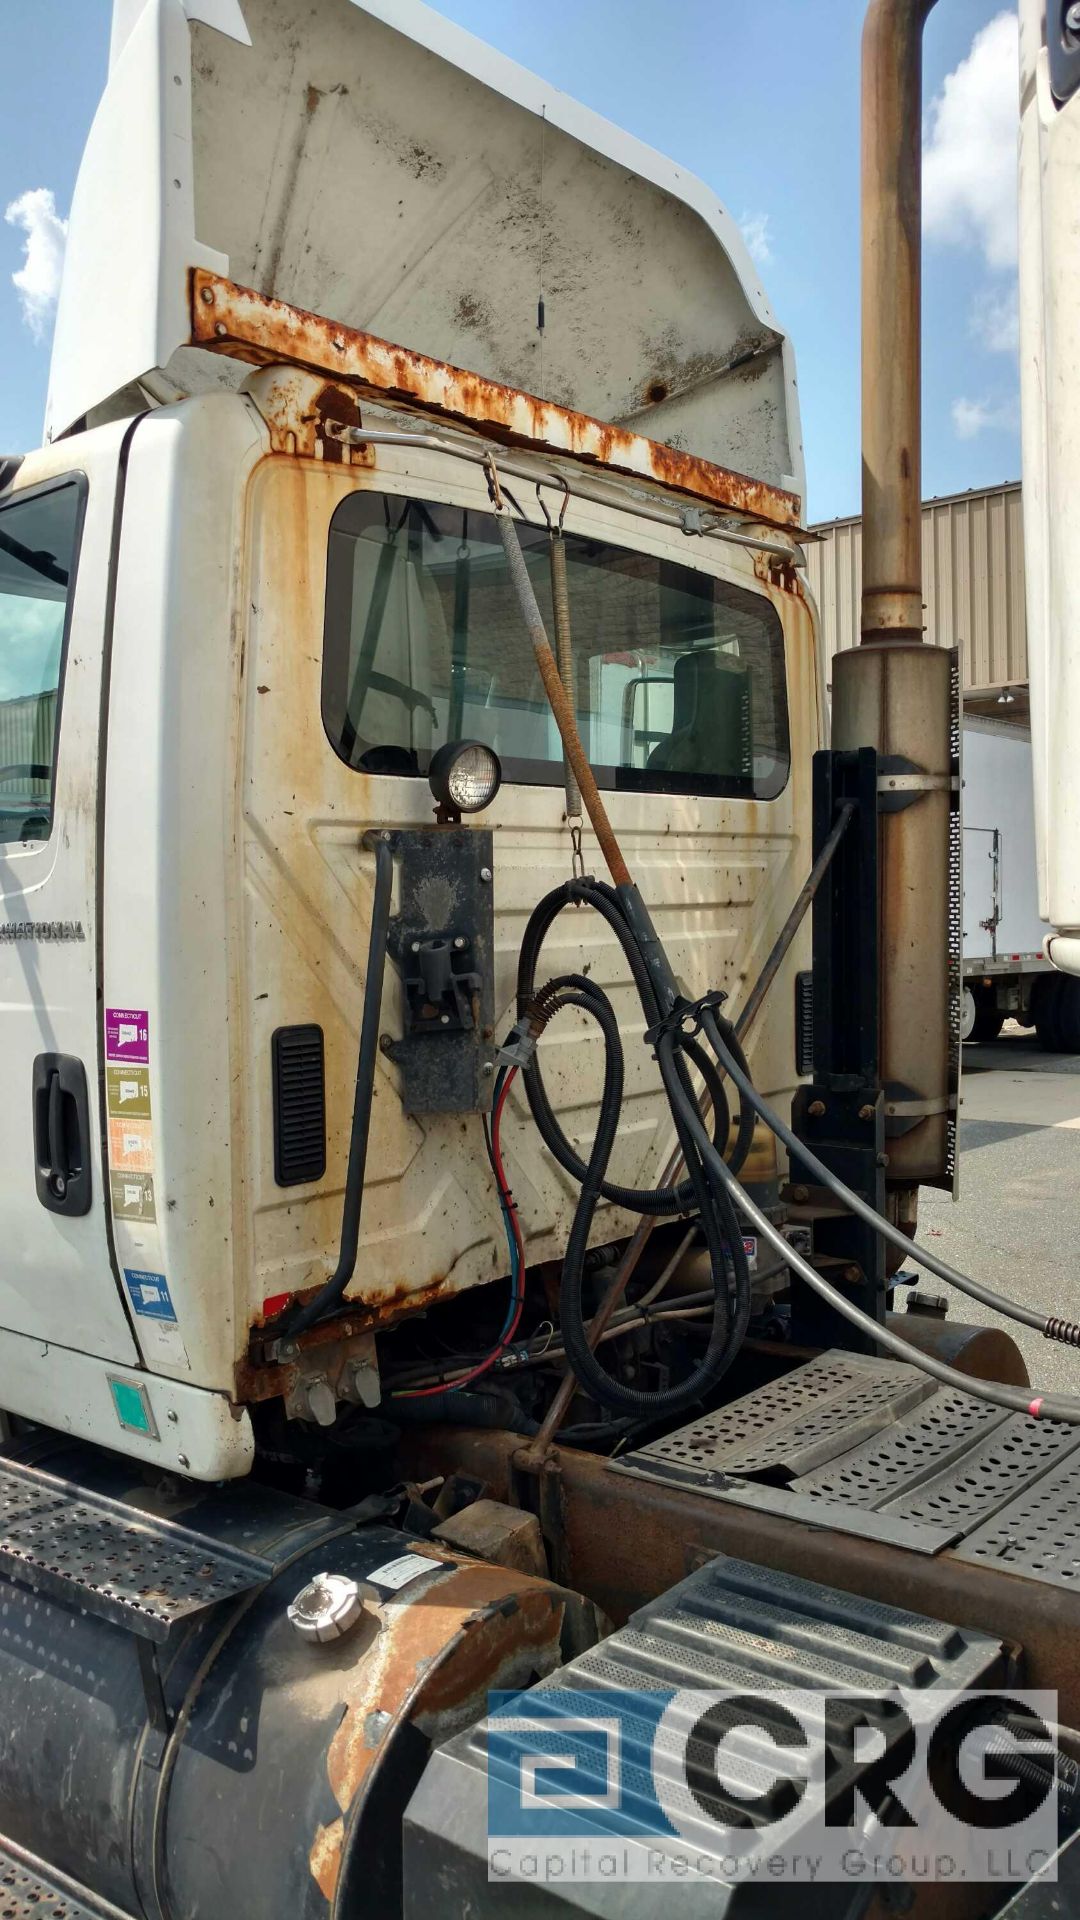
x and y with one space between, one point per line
761 101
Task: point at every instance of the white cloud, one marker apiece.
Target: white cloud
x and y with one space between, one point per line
38 279
995 321
969 158
754 228
972 417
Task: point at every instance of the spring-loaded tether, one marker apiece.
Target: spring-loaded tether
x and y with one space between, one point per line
1065 1331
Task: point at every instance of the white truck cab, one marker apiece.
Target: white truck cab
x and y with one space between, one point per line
253 582
414 830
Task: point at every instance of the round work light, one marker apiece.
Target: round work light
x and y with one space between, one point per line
464 776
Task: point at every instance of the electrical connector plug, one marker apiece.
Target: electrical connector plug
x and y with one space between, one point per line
518 1048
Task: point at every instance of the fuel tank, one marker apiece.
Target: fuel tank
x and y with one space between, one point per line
177 1743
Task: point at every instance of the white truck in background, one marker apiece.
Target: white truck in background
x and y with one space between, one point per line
1006 975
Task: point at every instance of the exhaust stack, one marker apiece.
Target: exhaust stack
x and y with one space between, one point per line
892 607
894 692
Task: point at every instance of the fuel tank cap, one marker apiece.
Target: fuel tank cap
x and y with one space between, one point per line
327 1607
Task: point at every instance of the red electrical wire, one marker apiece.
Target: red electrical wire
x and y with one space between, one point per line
452 1386
504 1187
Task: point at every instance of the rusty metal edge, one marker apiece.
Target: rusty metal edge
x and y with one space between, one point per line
623 1542
245 325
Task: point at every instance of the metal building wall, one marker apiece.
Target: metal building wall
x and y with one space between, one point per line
973 580
26 737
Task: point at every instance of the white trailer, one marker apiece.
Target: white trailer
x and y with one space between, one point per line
1006 974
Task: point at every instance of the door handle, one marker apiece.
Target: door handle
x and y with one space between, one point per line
61 1117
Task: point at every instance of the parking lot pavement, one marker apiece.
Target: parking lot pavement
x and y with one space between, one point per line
1016 1225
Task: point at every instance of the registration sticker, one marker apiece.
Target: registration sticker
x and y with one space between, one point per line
150 1294
127 1034
132 1196
128 1092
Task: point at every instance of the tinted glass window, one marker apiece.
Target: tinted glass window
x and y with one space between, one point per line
37 551
678 677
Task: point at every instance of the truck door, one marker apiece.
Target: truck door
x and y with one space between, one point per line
56 1278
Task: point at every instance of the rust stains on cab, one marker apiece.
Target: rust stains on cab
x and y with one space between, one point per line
257 1377
248 326
309 416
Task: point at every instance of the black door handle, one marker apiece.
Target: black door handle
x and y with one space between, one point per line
57 1154
61 1133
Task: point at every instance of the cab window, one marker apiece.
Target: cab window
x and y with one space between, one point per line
38 539
678 677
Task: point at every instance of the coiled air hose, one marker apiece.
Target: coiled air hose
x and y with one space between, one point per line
716 1186
605 901
625 912
719 1223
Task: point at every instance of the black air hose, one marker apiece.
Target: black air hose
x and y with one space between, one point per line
718 1219
625 911
646 1200
725 1336
627 916
715 1181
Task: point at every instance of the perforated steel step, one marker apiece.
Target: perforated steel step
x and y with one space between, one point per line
26 1894
935 1467
907 1454
795 1424
1038 1532
989 1473
142 1573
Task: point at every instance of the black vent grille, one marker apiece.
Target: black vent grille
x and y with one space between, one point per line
804 1023
299 1105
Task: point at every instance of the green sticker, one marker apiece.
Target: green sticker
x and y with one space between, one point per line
128 1090
132 1196
132 1404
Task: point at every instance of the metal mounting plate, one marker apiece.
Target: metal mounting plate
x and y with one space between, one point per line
446 1052
140 1572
